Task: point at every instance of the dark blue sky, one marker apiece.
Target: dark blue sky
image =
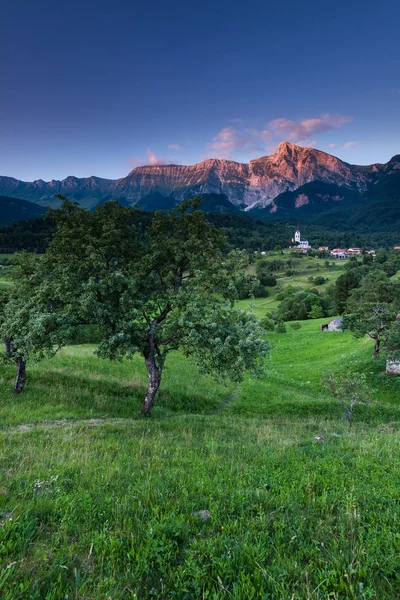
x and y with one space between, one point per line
98 87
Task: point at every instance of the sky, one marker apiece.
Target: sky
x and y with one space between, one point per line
97 88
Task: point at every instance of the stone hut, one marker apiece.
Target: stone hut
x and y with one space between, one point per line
334 325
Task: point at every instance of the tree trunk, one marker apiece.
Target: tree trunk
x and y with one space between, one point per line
154 365
20 379
377 347
154 383
9 347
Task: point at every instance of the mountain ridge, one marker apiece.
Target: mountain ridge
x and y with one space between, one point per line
256 184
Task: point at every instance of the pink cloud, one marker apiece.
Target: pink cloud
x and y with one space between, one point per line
174 147
225 142
331 145
349 145
153 160
295 131
240 138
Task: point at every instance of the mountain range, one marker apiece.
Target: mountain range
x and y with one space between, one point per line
296 182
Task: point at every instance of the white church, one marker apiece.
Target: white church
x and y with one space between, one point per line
302 245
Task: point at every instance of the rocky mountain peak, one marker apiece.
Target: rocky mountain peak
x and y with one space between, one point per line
257 183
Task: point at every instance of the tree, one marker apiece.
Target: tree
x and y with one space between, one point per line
31 323
350 390
153 290
344 284
319 280
267 280
368 259
372 308
303 305
316 312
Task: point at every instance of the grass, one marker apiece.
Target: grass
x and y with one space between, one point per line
98 503
304 268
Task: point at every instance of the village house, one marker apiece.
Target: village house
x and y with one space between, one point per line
354 251
323 248
339 253
396 247
371 252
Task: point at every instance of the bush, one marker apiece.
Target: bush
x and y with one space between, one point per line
316 312
319 280
268 324
260 291
286 292
267 280
296 325
280 327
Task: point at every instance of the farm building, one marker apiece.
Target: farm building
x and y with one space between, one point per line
334 325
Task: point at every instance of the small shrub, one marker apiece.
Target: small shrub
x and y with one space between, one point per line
268 324
296 325
350 390
319 280
280 327
260 291
268 280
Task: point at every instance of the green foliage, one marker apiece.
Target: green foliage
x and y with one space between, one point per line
260 291
267 323
303 305
286 292
319 280
268 280
373 307
280 326
350 391
344 284
167 287
368 259
316 312
295 326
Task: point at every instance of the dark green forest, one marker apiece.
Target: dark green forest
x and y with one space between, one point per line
244 232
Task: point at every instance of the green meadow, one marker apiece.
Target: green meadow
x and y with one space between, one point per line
303 268
97 502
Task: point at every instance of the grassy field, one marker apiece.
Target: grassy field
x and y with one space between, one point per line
97 503
304 268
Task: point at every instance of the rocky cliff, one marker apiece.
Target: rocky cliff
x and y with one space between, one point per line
247 185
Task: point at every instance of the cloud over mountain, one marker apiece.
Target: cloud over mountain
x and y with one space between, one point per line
241 138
